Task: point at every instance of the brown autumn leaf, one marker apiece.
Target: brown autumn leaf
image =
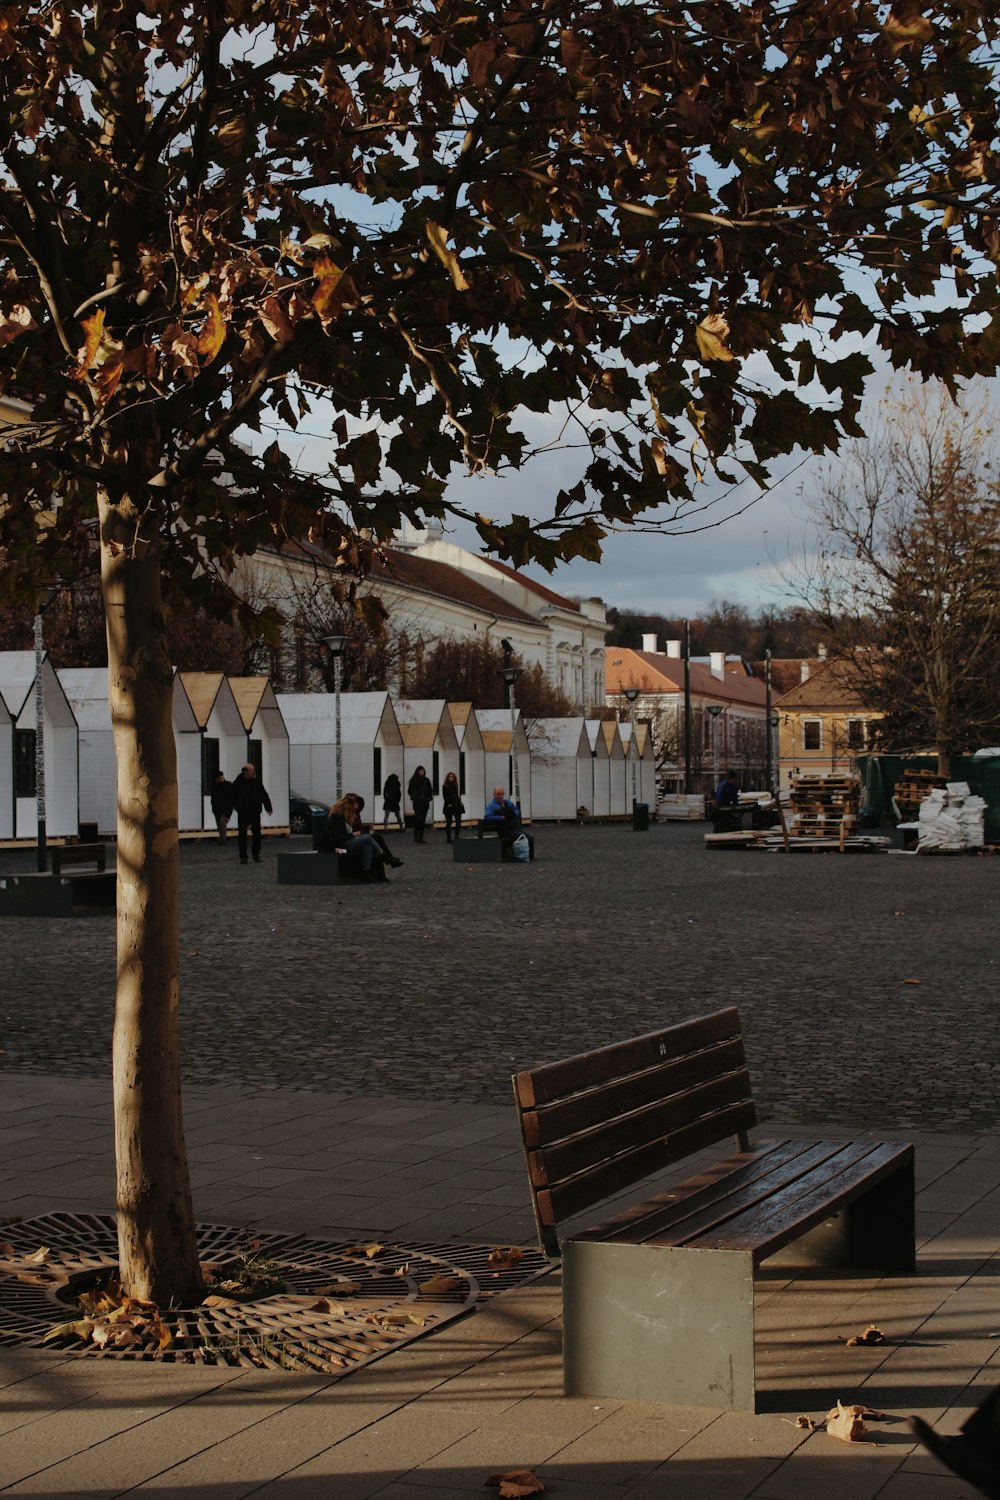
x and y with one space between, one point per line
505 1260
438 238
324 298
846 1423
38 1256
343 1288
213 334
909 981
805 1422
6 1249
387 1319
711 335
515 1483
217 1301
440 1286
872 1335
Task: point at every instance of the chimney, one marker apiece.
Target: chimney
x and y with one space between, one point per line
804 669
673 650
718 663
821 651
649 643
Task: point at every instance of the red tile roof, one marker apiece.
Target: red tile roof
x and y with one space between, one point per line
652 672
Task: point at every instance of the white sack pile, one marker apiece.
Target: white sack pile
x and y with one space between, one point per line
950 820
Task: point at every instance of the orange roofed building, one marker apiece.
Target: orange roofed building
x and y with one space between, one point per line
734 738
823 723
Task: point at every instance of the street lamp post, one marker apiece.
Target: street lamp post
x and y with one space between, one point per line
337 645
39 640
510 675
632 694
715 710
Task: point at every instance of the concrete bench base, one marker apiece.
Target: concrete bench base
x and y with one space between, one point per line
70 894
309 867
488 850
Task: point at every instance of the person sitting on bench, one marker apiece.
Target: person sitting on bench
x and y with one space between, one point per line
359 826
338 837
502 816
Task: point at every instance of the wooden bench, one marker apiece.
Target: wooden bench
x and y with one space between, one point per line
78 854
71 885
658 1301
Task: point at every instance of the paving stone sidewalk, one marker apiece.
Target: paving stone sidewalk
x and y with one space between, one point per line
483 1395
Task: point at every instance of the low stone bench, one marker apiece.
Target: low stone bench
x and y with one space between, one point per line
69 889
487 849
310 867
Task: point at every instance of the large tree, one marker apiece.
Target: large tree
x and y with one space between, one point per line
907 575
410 227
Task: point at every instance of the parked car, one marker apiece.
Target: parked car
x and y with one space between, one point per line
301 811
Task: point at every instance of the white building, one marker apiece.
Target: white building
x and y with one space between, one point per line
6 772
562 776
59 732
87 691
644 763
370 741
434 590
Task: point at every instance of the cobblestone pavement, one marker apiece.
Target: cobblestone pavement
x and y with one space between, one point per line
867 983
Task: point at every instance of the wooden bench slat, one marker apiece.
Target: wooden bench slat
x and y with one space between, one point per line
566 1117
567 1158
543 1085
699 1203
604 1181
792 1212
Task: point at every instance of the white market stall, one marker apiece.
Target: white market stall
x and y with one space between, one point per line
223 735
187 744
621 800
600 761
6 772
87 691
370 741
494 726
429 740
471 760
59 732
645 767
561 767
266 742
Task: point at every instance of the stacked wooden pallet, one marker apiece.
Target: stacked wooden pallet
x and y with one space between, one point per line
911 789
824 806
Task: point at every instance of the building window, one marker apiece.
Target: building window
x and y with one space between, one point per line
24 763
377 767
255 756
436 771
812 734
857 736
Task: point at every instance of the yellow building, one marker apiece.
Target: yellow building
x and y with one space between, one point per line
823 724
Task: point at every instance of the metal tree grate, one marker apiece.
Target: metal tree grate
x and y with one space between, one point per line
344 1304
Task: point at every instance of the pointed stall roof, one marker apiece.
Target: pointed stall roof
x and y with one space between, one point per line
87 691
17 685
309 717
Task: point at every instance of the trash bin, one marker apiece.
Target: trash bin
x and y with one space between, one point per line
640 817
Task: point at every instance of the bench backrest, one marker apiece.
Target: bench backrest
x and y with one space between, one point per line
79 854
594 1124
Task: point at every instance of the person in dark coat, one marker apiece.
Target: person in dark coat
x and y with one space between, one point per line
249 797
392 798
222 804
420 793
338 837
451 802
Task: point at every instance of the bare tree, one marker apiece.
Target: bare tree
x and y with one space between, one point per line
906 578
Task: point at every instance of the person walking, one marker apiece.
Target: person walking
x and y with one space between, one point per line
451 801
222 804
249 797
420 793
392 797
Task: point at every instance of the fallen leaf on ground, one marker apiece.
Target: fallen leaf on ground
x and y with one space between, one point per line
506 1260
845 1422
216 1301
909 981
370 1250
34 1278
343 1288
806 1422
514 1483
395 1319
6 1249
439 1286
38 1256
403 1270
871 1335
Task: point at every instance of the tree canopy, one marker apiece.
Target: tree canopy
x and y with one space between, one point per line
413 228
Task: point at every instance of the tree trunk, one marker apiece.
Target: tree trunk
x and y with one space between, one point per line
156 1238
